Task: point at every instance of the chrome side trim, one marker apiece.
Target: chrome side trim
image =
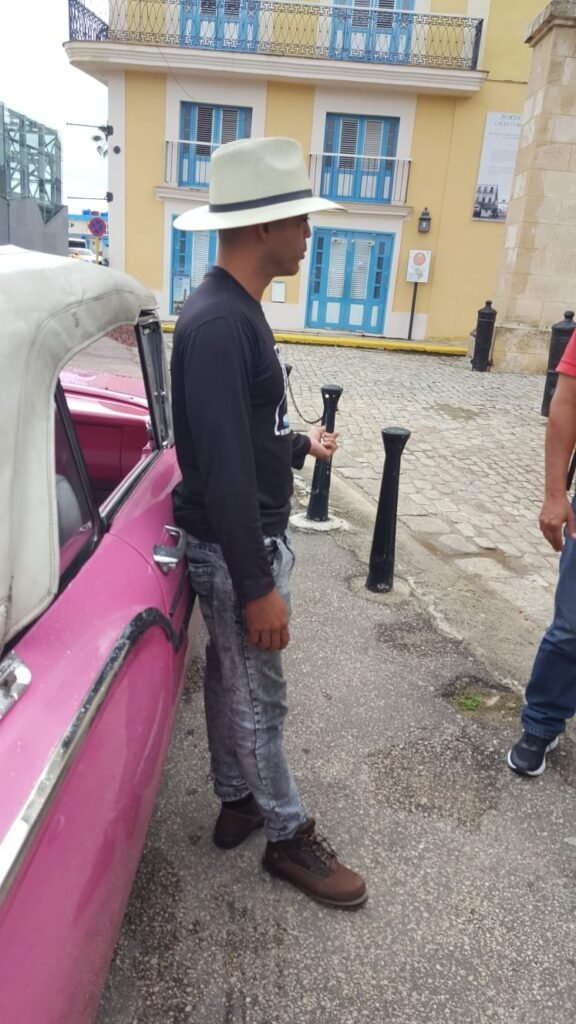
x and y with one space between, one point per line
15 678
21 834
114 502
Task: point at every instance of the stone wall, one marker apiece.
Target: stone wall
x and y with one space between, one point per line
537 279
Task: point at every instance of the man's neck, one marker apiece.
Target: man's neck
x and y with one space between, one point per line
253 279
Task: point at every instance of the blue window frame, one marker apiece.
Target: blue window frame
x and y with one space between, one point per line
373 30
204 127
349 280
359 162
220 24
193 253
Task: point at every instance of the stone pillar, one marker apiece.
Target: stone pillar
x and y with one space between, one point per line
537 275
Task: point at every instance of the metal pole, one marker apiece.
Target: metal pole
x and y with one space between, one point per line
381 570
318 503
411 324
483 337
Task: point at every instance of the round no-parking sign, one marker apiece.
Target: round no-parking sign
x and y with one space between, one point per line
97 227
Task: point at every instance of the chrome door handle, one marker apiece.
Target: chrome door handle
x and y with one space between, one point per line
15 677
168 558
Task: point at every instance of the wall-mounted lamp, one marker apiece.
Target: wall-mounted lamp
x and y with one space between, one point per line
424 221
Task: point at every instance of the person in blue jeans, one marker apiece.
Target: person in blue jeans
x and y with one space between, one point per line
236 451
551 690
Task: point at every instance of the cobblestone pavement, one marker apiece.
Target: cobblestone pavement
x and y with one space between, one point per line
472 471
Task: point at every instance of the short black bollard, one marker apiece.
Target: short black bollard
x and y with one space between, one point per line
318 503
381 571
559 338
483 338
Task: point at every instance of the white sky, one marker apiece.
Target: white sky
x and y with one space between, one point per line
36 79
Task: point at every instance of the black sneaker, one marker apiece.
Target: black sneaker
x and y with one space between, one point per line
528 756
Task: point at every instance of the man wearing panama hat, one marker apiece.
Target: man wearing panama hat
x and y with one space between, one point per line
236 452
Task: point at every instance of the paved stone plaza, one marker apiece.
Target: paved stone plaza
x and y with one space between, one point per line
472 472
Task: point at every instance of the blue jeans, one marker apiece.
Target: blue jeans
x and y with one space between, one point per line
245 692
551 691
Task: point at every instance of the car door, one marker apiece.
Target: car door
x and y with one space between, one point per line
88 741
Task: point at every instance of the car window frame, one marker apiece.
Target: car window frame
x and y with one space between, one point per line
88 549
154 367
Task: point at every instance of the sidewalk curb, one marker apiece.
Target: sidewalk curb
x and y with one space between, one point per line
371 343
429 348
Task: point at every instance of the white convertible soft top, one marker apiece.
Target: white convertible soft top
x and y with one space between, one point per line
50 308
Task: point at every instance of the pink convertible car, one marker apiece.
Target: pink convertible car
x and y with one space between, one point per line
94 615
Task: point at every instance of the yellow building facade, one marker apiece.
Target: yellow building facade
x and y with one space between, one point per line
399 107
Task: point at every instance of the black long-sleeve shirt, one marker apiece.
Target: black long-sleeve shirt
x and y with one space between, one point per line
234 445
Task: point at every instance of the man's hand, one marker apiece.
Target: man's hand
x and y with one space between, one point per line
560 442
267 621
554 513
322 445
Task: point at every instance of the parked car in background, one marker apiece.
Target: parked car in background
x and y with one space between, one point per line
79 249
94 618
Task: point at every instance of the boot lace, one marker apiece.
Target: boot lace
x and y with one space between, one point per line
320 847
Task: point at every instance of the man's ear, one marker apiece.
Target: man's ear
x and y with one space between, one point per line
263 232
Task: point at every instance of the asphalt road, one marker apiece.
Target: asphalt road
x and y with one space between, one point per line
402 709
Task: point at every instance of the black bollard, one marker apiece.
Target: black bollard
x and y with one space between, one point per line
318 503
559 338
483 338
381 570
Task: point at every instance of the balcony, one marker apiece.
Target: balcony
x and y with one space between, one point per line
274 28
339 176
187 164
360 179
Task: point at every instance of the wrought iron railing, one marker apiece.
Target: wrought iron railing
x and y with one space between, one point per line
360 179
353 178
85 23
285 29
187 164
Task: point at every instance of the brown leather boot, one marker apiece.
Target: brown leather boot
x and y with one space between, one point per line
234 824
309 862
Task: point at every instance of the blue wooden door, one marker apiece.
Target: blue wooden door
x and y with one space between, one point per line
349 280
354 165
193 253
372 30
220 24
204 127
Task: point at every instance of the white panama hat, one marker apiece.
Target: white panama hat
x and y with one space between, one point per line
254 181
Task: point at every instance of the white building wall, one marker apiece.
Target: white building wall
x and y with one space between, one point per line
117 170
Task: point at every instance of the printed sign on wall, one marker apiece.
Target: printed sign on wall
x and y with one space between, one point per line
418 270
499 148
